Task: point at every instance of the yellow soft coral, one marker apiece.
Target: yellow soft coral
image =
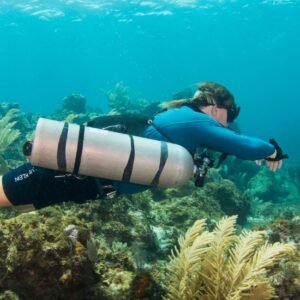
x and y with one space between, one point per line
222 265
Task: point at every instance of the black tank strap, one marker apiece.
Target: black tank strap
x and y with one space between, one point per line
61 149
79 149
163 159
129 167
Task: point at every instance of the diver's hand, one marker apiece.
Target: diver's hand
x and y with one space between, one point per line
274 161
273 165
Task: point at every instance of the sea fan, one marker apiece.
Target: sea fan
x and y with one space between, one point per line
222 265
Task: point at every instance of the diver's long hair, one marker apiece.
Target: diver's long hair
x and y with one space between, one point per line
208 93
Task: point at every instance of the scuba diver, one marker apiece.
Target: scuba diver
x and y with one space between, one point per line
201 121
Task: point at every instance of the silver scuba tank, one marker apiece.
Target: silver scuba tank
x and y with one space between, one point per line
111 155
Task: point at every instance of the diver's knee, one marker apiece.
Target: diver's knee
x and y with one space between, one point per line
4 202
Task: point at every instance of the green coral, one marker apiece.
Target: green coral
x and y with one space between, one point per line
294 174
75 103
270 186
16 127
231 200
120 102
73 110
9 295
8 135
239 171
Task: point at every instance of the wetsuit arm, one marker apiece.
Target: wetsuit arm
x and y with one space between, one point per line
225 140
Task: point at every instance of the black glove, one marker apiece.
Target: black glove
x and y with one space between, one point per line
279 154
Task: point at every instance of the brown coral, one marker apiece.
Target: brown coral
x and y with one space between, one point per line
41 258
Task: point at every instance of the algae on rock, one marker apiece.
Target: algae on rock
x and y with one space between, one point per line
41 258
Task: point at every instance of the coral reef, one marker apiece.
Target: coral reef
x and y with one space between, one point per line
125 247
3 166
5 107
9 295
268 186
223 265
15 128
8 135
286 281
272 196
174 210
43 255
120 102
117 249
294 173
231 200
239 171
73 110
75 103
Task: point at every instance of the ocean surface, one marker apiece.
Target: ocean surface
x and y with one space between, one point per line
49 49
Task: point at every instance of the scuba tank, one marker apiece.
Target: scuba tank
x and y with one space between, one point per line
111 155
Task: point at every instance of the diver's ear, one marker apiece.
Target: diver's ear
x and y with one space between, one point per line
214 110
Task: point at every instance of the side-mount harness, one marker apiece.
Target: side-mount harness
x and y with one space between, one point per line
202 161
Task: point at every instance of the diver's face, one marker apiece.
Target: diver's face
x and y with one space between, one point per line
220 114
223 119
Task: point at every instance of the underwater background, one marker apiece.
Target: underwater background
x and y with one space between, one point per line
49 49
73 60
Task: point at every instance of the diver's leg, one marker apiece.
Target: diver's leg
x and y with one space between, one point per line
42 187
18 186
4 202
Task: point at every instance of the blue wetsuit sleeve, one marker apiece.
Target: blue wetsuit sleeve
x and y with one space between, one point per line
219 138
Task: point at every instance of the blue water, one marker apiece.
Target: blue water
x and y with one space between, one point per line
49 49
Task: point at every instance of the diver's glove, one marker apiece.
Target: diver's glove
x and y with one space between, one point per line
279 155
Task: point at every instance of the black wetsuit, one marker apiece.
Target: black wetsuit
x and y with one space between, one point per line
42 187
